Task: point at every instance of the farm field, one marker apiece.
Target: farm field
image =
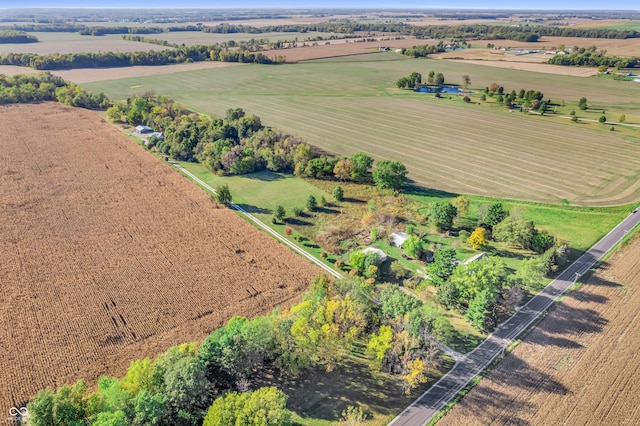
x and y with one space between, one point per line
107 255
343 48
616 47
532 66
75 43
447 145
198 37
579 366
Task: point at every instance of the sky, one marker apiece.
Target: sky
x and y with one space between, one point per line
464 4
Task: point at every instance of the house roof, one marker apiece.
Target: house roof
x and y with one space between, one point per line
398 238
475 258
382 255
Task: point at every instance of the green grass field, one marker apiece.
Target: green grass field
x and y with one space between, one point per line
352 106
62 42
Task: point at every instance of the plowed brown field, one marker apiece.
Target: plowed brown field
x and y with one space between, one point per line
581 365
108 255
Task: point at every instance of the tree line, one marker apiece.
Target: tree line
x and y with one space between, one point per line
12 36
47 87
239 144
476 31
591 58
182 54
210 383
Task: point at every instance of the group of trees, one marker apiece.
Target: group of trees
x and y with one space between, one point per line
11 36
210 382
240 144
414 80
591 58
482 290
182 54
22 88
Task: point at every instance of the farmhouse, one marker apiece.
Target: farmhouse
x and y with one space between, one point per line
398 238
382 255
143 129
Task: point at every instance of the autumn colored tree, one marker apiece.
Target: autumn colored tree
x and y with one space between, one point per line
478 239
343 169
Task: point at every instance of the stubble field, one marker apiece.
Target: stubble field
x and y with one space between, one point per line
346 107
107 255
581 365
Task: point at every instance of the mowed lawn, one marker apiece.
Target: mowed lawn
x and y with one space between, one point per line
346 107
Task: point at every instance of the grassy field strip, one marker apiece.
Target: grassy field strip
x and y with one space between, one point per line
258 222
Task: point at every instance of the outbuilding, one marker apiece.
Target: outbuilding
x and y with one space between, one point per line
143 129
476 258
398 238
381 255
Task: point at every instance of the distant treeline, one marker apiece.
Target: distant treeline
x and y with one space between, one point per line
184 54
46 87
591 58
478 31
143 39
11 36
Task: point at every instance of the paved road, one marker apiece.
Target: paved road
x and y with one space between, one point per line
258 222
434 399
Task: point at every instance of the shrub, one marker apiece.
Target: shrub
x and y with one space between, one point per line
297 211
339 264
338 193
324 254
312 203
602 119
288 231
467 99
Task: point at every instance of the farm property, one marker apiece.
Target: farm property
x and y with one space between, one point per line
579 366
347 107
107 255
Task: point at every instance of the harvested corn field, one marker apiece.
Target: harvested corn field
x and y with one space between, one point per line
579 366
107 255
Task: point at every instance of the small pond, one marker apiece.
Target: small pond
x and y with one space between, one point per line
443 89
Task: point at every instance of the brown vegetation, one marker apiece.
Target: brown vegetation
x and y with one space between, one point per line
107 255
579 366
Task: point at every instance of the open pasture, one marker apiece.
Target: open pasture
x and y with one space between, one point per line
351 106
107 255
75 43
579 366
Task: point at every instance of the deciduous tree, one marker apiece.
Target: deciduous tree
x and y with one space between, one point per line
343 169
442 266
442 215
223 194
478 239
362 163
389 175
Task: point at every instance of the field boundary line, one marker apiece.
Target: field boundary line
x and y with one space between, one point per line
258 222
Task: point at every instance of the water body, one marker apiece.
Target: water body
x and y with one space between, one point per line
443 89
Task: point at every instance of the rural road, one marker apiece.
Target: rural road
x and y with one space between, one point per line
437 396
258 222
